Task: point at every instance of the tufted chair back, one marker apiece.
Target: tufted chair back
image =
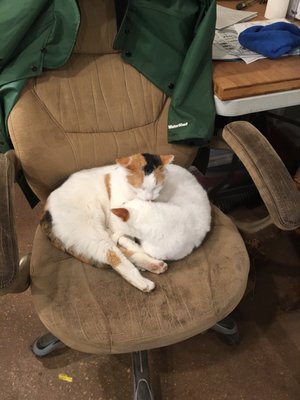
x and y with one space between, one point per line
89 112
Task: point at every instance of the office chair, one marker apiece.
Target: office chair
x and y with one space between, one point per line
87 114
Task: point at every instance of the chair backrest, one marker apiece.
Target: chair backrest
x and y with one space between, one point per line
89 112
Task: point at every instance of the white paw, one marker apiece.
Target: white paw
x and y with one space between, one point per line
147 285
157 267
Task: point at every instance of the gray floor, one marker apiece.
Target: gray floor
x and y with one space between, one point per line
265 366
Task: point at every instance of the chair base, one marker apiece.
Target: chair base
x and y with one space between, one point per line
48 343
226 328
141 376
45 345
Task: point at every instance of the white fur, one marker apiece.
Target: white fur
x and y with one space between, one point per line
150 190
171 227
81 219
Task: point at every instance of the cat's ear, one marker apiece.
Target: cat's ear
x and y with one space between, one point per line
167 159
122 213
124 161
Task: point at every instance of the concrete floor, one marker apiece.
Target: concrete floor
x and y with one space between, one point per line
265 365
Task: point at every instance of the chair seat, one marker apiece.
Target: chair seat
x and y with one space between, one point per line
94 310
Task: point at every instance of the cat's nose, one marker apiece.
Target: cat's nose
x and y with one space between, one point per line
149 197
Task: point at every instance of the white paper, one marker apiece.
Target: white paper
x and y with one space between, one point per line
226 45
228 16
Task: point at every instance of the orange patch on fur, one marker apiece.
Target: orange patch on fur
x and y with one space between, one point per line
136 176
166 159
159 175
107 185
136 179
134 164
79 257
126 252
112 258
122 213
124 161
57 243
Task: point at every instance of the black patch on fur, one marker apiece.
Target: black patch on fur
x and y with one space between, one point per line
46 221
152 162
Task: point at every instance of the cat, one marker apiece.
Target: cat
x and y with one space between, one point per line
77 215
171 227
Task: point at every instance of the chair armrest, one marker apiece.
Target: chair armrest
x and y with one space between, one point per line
9 255
273 181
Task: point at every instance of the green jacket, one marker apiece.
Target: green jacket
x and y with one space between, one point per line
169 41
35 34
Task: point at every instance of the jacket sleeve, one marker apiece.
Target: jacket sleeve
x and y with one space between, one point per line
170 43
43 36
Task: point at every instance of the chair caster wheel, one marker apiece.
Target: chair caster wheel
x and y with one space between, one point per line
227 330
231 340
45 345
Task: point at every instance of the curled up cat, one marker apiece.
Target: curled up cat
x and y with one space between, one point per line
80 216
174 225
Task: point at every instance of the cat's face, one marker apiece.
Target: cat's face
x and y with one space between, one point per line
146 173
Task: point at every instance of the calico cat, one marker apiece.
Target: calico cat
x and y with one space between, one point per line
172 226
77 217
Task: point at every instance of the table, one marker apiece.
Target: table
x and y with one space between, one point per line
241 88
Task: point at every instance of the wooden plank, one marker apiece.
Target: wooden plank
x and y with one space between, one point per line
237 79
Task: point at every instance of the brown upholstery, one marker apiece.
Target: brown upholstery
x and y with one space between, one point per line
89 112
9 256
268 172
97 311
14 276
97 27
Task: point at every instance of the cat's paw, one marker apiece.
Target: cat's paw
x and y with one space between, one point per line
147 285
146 263
157 267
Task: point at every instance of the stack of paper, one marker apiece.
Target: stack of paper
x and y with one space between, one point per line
228 16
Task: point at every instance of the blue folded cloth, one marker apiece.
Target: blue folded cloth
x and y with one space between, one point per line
272 40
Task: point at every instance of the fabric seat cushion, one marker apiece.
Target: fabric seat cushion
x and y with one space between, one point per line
96 311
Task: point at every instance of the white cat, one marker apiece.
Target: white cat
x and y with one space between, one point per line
172 226
162 205
77 217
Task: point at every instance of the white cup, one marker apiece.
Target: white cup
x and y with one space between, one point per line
276 9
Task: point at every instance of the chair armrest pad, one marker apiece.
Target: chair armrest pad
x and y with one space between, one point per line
273 181
9 257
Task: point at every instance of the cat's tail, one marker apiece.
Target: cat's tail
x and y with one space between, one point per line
46 224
